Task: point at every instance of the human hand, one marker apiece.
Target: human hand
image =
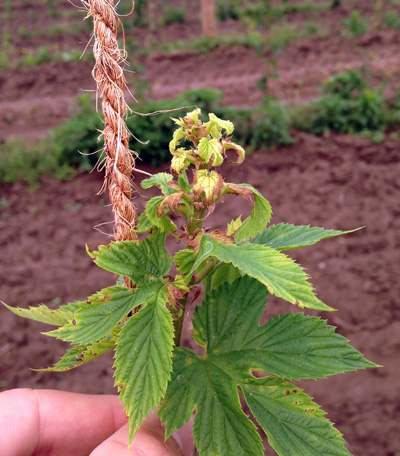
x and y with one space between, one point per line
58 423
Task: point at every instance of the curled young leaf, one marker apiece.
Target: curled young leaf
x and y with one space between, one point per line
209 183
192 118
211 151
259 217
228 144
156 217
178 162
215 126
177 136
233 226
160 180
171 201
179 121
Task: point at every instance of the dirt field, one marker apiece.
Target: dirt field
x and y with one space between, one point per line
338 182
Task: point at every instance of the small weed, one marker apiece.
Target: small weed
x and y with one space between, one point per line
228 9
173 15
205 44
23 32
23 161
373 136
4 60
52 7
356 25
4 203
391 20
346 85
349 105
8 8
302 7
281 35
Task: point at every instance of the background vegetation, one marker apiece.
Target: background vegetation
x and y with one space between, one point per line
348 102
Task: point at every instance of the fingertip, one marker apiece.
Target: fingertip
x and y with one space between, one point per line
148 441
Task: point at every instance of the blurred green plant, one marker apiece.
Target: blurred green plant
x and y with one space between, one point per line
51 4
75 143
281 35
228 9
301 7
205 44
392 20
347 85
22 160
349 105
356 25
4 60
173 15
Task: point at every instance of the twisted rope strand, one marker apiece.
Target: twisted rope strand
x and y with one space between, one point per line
111 82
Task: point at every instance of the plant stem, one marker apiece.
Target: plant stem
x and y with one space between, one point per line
178 324
197 221
205 271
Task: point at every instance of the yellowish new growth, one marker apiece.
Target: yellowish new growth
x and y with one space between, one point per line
111 83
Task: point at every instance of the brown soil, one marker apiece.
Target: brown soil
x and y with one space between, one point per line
338 182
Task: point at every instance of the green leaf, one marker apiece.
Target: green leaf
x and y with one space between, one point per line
81 354
184 260
143 359
294 424
210 151
141 261
143 224
103 312
220 426
159 180
292 346
227 326
224 272
233 226
279 273
286 237
56 317
259 218
229 315
163 223
183 182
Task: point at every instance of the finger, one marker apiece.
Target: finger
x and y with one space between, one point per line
148 441
56 422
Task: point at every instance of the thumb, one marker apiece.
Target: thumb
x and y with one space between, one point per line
148 441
